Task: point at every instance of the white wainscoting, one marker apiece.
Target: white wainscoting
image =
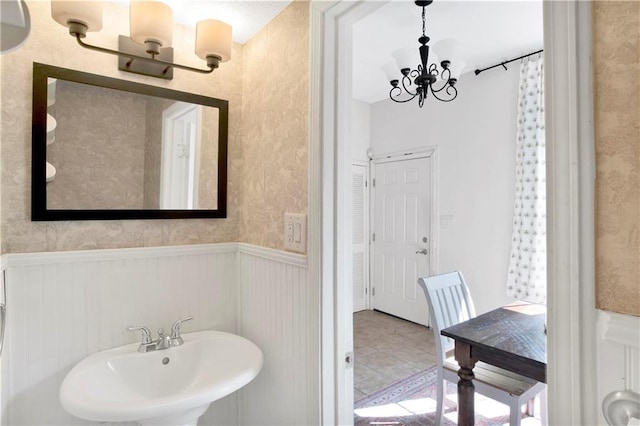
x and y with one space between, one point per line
64 306
275 316
618 350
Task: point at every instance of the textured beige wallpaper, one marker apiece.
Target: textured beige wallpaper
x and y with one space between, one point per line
50 43
616 57
275 126
98 162
208 160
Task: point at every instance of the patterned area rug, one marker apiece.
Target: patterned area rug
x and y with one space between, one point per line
412 401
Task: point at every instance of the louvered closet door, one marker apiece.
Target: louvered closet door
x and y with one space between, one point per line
360 212
401 224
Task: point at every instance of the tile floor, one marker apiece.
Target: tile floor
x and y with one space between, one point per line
388 349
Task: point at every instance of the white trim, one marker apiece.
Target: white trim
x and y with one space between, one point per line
44 258
619 328
407 154
571 315
273 254
47 258
321 365
318 221
589 404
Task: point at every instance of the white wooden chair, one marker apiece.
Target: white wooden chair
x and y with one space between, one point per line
449 304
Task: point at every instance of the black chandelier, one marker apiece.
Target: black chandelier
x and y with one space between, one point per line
424 78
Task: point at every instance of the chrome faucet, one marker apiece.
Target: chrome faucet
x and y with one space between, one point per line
176 340
163 341
147 344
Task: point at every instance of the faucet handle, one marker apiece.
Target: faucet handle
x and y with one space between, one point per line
175 329
146 333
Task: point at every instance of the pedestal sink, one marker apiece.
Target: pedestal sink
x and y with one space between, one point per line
166 387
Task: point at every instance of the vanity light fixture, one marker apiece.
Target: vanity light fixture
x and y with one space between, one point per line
148 50
424 79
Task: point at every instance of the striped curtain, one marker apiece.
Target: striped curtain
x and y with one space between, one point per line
527 274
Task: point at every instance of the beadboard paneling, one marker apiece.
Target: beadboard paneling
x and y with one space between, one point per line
618 349
275 297
65 306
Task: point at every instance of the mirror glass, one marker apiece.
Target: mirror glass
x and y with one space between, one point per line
113 149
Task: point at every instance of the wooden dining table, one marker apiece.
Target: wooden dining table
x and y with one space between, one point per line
512 337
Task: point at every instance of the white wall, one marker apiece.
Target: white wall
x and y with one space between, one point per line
360 123
475 136
63 306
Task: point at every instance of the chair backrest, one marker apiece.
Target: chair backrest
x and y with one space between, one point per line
449 304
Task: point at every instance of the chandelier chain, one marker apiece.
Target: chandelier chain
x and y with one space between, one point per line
424 22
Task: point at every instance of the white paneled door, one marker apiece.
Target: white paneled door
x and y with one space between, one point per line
402 192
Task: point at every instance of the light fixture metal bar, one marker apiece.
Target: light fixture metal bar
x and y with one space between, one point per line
141 58
126 44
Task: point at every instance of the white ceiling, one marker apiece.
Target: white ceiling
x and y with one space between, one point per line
245 17
488 32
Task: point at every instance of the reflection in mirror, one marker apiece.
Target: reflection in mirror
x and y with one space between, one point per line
149 153
116 149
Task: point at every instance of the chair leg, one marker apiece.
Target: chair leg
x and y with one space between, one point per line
515 413
440 399
531 407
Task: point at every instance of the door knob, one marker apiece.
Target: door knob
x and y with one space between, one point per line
423 251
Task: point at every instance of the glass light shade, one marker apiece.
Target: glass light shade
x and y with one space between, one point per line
447 49
151 20
86 12
213 38
391 70
407 57
456 68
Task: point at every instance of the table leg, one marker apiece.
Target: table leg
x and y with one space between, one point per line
466 409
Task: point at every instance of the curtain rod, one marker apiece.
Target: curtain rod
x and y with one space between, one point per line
510 60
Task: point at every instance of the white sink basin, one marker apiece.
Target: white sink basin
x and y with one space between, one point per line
168 387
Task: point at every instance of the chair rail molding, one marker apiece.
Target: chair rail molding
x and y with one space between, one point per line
619 328
620 350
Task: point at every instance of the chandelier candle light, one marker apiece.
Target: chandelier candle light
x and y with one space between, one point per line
148 50
424 79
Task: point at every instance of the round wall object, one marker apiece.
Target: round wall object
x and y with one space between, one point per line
15 24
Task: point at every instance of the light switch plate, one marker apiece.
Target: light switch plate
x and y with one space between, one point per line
295 232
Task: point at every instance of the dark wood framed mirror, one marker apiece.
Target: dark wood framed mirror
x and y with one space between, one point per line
104 148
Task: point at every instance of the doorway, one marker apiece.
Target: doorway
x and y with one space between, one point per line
570 224
180 156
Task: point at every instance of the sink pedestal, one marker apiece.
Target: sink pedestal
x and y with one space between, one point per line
184 418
